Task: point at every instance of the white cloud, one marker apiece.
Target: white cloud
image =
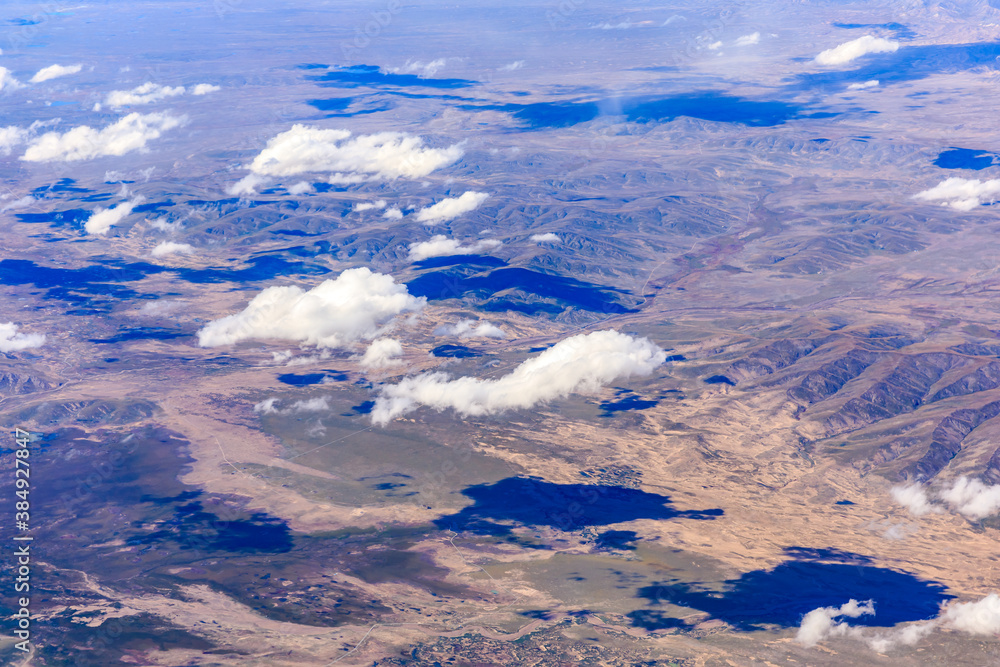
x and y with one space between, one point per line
420 68
471 329
163 225
393 214
624 25
962 194
103 219
976 618
332 314
367 206
510 67
112 176
205 89
147 93
7 80
311 405
169 247
11 136
972 498
871 83
856 48
159 307
440 245
11 341
346 159
748 40
301 188
892 530
382 353
580 363
908 635
969 497
914 498
22 202
548 237
246 185
55 71
130 133
267 406
310 359
714 45
819 624
451 207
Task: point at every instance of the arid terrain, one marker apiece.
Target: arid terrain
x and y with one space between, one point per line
314 398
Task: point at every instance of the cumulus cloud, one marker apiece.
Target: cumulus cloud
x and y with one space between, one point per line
382 353
164 225
471 329
130 133
548 237
147 93
871 83
7 80
968 497
10 137
367 206
19 203
820 623
451 207
159 307
332 314
11 341
972 498
961 193
393 214
580 363
103 219
914 498
908 635
440 245
510 67
856 48
748 40
301 188
267 406
714 45
246 185
169 248
345 158
54 72
205 89
420 68
113 176
975 618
